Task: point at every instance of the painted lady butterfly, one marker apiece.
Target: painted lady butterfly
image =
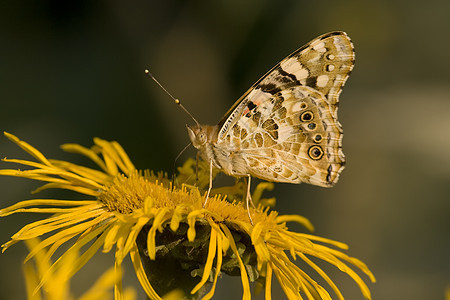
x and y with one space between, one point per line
285 127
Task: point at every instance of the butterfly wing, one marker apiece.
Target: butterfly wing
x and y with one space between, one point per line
285 127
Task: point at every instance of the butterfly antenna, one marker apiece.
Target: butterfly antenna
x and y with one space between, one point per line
177 101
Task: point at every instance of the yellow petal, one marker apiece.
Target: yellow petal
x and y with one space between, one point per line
129 166
100 289
50 202
159 219
295 218
28 148
191 218
245 283
209 261
75 148
268 287
218 264
140 273
118 291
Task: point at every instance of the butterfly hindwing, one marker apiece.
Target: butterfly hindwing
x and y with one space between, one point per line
292 137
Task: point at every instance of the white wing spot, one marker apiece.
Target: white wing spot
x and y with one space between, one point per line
322 80
341 44
301 74
293 66
320 47
297 106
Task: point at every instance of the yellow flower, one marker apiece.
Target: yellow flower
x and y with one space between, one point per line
57 287
173 241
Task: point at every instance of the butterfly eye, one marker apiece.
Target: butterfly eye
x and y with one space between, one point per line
200 138
315 152
306 116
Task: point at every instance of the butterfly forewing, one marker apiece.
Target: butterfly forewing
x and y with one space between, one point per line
285 127
323 64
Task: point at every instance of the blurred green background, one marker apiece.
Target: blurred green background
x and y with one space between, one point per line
73 70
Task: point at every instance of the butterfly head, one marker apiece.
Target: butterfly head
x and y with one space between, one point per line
200 135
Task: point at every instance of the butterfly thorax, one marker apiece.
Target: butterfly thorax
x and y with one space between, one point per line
205 139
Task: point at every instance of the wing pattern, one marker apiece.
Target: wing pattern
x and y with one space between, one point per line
285 127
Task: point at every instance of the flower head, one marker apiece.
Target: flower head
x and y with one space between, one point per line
173 241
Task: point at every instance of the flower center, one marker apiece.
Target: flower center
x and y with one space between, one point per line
128 193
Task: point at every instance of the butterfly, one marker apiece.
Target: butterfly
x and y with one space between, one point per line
285 127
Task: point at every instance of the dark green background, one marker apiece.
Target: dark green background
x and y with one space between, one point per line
73 70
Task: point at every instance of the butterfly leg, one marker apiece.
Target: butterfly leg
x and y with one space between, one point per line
248 192
196 166
249 199
210 183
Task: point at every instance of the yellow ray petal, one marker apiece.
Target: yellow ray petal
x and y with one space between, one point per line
210 294
75 148
209 261
245 283
28 148
140 273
